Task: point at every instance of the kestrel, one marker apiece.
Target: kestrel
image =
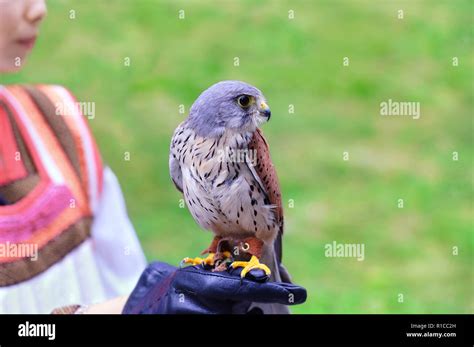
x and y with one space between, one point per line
220 161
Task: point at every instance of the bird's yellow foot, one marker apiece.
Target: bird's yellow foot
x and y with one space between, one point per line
252 264
209 260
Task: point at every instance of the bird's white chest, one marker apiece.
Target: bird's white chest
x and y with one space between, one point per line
219 189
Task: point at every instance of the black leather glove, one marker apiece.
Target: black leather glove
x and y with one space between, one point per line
165 289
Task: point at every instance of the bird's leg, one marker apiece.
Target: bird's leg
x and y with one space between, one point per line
210 251
252 246
222 254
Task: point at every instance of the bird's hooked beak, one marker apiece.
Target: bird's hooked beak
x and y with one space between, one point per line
264 110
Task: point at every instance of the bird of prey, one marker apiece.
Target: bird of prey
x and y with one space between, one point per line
221 163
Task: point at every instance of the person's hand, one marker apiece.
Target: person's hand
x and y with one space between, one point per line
164 289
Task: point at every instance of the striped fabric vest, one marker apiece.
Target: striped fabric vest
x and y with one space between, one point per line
50 179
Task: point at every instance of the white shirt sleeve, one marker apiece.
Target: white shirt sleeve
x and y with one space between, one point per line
117 248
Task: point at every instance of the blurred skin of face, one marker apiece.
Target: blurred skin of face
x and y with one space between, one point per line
19 28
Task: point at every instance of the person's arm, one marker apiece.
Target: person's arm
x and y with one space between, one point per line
114 306
165 289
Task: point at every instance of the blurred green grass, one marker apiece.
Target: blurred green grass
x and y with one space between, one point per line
295 62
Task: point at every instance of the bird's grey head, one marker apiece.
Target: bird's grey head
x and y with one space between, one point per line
228 105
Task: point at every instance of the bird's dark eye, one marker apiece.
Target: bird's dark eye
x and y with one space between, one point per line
244 101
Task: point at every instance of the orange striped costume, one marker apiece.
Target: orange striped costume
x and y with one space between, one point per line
51 179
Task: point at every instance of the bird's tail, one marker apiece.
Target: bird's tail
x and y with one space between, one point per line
279 274
278 252
271 259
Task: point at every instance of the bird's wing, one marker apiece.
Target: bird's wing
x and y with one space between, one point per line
175 168
175 173
265 174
